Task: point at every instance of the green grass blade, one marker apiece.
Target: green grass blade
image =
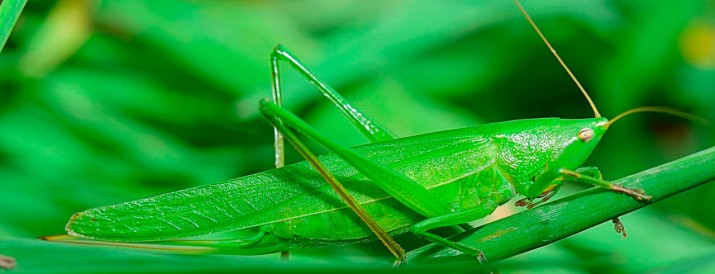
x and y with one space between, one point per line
9 12
559 219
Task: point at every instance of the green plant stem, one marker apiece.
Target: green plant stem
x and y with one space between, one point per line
561 218
9 12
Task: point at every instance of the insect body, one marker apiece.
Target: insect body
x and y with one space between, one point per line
387 187
472 168
471 171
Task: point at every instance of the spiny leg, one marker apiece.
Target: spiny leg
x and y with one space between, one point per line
371 129
386 239
368 127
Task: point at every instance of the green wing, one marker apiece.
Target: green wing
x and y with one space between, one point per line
292 192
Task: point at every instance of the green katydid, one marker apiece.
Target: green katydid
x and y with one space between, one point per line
374 191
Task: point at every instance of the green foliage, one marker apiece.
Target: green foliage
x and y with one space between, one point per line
107 101
8 16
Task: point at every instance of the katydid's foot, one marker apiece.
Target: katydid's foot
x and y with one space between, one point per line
637 194
285 256
544 197
7 262
526 202
619 227
529 204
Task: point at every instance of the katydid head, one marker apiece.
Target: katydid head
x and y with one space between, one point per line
572 141
566 143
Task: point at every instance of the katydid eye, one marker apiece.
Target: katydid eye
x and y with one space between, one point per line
585 134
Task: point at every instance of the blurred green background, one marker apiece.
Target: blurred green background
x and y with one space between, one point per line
108 101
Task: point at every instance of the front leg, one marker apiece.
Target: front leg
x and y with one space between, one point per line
637 194
595 175
587 175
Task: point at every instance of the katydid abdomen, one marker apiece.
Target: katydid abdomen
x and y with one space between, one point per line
477 167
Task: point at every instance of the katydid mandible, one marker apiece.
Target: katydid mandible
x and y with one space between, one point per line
373 191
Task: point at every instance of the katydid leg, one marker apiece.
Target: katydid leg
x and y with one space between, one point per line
381 234
368 127
552 174
575 176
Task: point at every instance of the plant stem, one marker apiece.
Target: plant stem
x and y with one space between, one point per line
567 216
9 12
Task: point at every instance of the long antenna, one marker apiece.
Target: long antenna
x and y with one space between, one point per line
673 112
543 38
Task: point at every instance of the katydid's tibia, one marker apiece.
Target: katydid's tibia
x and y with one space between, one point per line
353 194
